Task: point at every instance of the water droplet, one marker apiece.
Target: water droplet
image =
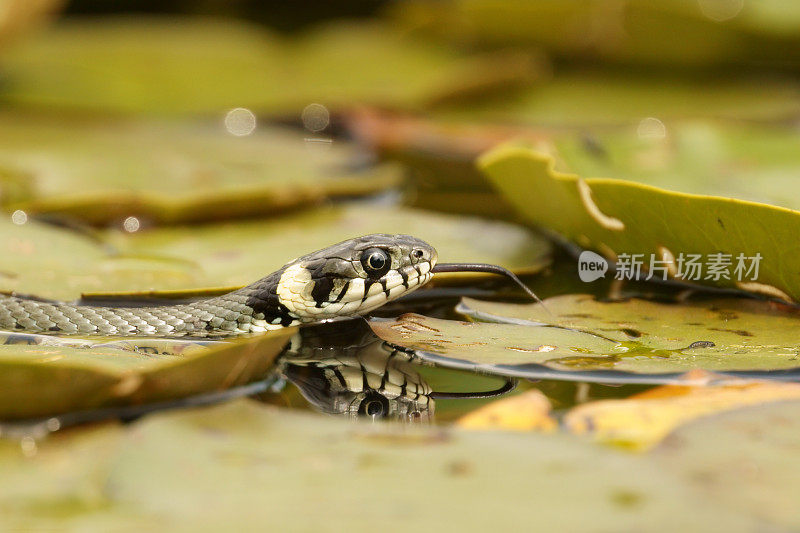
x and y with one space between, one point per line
720 10
651 128
19 217
316 117
29 447
53 424
131 225
240 122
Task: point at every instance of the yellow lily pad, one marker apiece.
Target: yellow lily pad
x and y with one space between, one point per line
54 376
104 171
529 411
643 420
620 217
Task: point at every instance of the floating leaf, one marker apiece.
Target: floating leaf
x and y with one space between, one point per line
60 478
666 33
493 348
57 376
61 264
631 341
56 263
167 66
719 334
209 66
225 462
616 217
96 170
744 161
743 460
238 253
610 100
529 411
643 420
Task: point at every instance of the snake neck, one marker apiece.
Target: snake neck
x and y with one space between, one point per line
252 309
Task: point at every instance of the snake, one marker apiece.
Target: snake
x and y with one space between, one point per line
350 278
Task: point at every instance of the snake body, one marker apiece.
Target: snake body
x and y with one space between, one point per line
350 278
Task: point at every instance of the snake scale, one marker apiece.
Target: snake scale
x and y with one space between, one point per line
350 278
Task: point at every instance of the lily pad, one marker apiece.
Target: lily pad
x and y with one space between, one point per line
609 100
209 66
155 65
667 33
238 253
643 420
604 341
49 377
620 217
745 161
743 460
61 264
227 461
529 411
103 171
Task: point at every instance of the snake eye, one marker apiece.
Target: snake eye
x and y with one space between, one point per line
418 253
376 261
374 406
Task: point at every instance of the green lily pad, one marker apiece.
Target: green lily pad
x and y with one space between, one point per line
207 66
748 162
103 171
57 376
60 264
156 65
621 217
238 253
745 459
580 334
608 99
225 462
665 32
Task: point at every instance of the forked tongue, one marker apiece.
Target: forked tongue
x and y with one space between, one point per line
488 269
